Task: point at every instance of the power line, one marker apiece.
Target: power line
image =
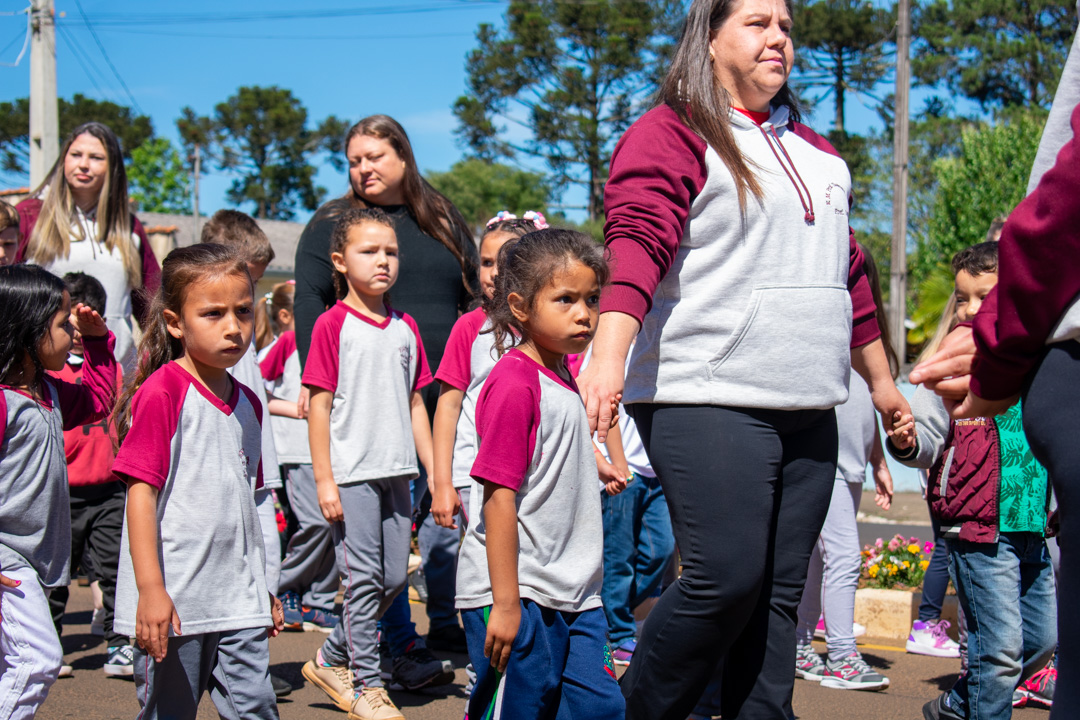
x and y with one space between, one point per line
105 55
79 54
232 36
26 43
120 19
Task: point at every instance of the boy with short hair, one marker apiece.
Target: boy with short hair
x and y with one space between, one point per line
240 232
990 496
97 497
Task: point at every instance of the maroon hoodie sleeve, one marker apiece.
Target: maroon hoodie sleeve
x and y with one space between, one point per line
29 210
142 297
657 170
1038 278
864 325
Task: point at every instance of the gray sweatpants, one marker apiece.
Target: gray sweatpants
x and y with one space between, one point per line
833 575
309 568
372 551
233 666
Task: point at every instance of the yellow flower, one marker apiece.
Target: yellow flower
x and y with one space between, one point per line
892 570
924 564
913 549
906 564
873 570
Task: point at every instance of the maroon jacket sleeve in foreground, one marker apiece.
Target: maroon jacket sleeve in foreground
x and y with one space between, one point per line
29 210
141 297
657 170
1038 278
864 325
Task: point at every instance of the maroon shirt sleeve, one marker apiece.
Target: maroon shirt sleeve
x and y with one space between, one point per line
273 365
657 170
142 297
864 325
455 369
321 368
1038 278
29 210
507 418
93 399
146 454
423 372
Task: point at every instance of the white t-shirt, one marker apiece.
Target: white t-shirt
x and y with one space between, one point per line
93 258
248 373
279 363
534 439
203 456
470 355
372 369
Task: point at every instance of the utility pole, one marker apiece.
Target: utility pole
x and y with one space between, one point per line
898 265
44 117
195 199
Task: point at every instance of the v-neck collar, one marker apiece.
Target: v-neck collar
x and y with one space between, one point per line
226 407
381 325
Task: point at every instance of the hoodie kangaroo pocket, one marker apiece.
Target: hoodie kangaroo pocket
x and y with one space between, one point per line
791 349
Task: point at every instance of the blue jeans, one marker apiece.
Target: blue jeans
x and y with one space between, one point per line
438 555
638 545
1007 593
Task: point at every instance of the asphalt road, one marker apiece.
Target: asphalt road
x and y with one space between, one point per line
90 696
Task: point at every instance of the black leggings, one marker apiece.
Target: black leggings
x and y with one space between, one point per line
1051 418
748 491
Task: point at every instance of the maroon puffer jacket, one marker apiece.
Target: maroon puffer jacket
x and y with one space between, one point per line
964 483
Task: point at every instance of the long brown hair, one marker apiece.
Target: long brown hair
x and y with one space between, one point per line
434 213
182 269
267 324
51 237
693 91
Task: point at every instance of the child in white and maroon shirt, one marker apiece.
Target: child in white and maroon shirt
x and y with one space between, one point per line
192 584
367 426
466 362
35 527
530 568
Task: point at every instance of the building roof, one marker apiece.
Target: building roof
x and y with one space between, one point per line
283 236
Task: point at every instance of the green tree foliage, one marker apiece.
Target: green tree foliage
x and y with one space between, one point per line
480 189
986 180
132 130
572 76
841 47
997 52
261 136
157 178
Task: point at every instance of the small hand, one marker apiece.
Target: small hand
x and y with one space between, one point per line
614 487
329 500
445 504
883 486
9 583
303 403
903 431
88 322
502 628
153 616
277 615
892 405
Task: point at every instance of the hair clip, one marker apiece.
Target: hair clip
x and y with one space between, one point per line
501 216
537 219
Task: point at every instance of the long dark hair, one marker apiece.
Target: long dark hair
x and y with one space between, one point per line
30 296
874 278
434 213
693 91
51 237
527 265
182 269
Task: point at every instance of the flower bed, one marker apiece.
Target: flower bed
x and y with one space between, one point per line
899 564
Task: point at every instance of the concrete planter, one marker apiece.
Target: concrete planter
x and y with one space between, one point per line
889 613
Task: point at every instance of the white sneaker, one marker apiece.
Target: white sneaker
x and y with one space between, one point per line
857 630
66 671
931 638
97 623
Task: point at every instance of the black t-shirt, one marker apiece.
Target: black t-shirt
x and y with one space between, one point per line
429 286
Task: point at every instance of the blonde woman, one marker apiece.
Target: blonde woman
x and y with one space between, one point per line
78 219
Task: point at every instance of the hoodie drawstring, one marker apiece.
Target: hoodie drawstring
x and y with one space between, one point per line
796 181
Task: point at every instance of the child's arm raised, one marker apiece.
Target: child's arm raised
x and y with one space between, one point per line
421 430
445 503
319 440
500 522
93 399
155 611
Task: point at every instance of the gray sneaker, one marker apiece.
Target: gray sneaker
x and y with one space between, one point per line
852 673
418 668
808 664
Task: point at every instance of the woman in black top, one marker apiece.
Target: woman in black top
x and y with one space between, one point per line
438 257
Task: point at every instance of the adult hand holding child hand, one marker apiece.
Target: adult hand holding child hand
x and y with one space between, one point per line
948 373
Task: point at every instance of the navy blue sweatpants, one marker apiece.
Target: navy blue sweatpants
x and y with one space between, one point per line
560 668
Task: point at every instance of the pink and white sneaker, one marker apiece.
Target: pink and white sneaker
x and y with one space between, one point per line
931 638
819 631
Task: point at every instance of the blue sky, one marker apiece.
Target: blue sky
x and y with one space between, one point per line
405 58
